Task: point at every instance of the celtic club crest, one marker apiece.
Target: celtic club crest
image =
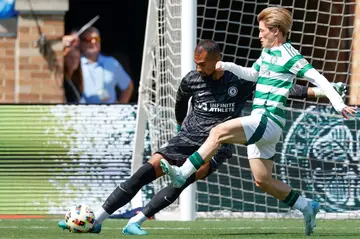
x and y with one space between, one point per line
320 157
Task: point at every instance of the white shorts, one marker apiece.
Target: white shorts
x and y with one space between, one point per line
262 135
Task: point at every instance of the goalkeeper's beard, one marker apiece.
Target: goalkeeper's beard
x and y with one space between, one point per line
216 75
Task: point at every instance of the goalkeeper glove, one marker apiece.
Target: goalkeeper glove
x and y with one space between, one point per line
178 128
339 87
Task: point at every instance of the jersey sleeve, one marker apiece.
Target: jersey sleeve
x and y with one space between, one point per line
246 73
319 80
297 65
257 64
182 98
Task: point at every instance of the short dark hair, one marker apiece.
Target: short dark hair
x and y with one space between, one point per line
210 46
90 30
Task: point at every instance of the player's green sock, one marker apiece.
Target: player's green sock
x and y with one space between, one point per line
192 164
291 198
196 160
294 200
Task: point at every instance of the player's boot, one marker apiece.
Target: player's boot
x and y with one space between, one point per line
62 224
95 229
134 229
174 172
309 213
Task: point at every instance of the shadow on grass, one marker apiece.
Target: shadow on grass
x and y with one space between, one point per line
346 235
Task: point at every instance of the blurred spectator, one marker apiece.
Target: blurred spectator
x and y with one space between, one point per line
73 80
71 41
125 63
101 74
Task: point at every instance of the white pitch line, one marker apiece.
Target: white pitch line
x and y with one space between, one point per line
181 228
162 228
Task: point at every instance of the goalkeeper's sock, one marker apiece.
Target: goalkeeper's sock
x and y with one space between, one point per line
128 189
165 197
101 215
294 200
192 164
138 218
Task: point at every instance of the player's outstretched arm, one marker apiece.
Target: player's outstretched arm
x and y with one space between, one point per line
319 80
246 73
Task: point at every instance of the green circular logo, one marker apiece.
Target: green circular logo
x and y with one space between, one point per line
320 157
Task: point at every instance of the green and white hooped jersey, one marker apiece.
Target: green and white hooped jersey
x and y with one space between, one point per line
277 69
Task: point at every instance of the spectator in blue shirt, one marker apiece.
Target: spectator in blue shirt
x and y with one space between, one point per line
101 74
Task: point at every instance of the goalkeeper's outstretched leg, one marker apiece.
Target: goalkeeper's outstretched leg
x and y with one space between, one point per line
175 152
164 198
123 193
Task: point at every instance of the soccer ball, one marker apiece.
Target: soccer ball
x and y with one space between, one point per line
80 218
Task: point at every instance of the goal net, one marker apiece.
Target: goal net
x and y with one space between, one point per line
319 152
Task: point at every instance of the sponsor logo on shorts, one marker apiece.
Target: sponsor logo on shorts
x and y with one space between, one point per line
166 199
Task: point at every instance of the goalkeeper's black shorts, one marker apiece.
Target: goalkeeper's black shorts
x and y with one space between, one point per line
178 149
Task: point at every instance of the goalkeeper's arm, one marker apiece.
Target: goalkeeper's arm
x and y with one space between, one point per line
181 105
317 92
300 92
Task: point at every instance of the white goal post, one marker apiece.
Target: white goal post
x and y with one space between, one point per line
319 152
164 35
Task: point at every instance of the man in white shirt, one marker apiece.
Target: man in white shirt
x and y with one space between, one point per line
101 74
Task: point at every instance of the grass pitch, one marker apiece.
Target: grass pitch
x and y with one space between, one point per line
200 229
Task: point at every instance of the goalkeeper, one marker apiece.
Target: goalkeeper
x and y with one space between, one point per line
274 72
216 97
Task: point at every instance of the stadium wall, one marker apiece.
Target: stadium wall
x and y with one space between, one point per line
29 76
